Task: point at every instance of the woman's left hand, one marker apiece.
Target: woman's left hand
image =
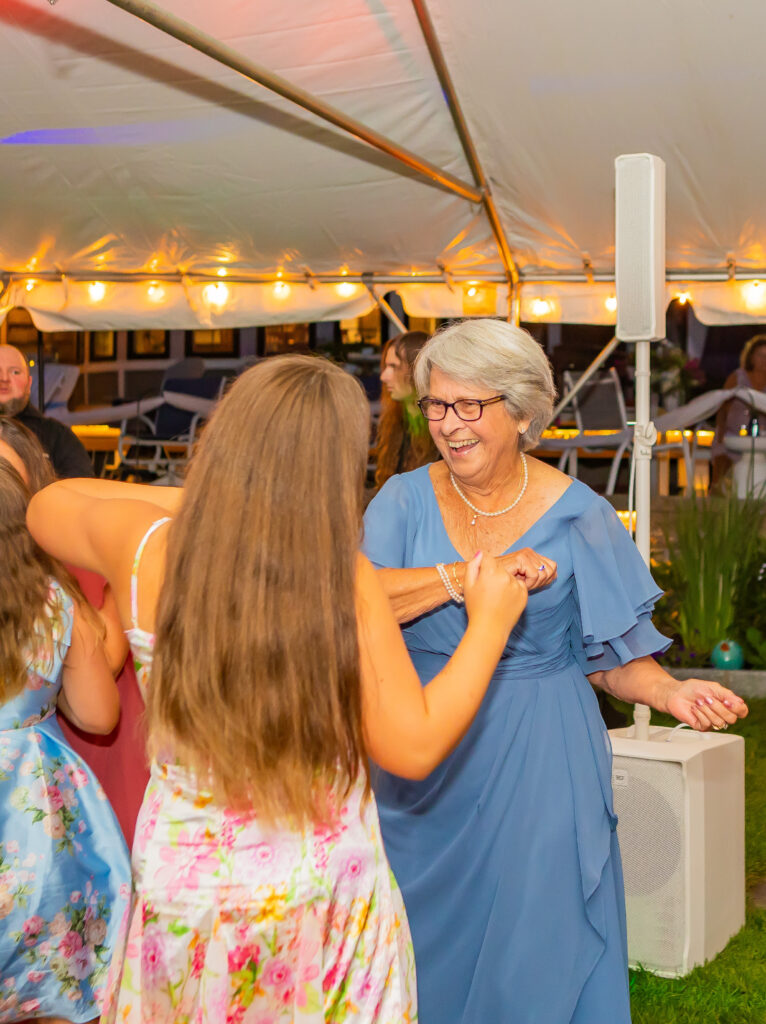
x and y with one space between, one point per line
705 705
529 567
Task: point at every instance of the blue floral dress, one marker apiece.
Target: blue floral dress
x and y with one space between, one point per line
64 867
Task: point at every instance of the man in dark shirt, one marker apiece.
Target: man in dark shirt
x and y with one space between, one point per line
65 451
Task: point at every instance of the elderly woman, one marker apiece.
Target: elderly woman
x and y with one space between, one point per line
507 854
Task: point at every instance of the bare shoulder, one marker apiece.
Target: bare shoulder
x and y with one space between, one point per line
546 479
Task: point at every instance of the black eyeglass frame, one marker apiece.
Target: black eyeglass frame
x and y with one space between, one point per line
481 402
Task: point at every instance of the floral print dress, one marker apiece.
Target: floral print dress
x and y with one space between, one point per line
64 868
236 922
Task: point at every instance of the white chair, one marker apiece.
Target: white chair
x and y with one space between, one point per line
60 380
600 405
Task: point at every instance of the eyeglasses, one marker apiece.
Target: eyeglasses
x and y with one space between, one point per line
466 409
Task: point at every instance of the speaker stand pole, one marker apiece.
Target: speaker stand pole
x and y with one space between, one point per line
645 437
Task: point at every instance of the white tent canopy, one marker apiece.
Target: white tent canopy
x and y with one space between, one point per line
137 172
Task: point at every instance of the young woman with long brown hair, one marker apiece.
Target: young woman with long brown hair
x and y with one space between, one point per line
262 888
64 870
403 440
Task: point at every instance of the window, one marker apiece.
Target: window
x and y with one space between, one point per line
148 344
223 342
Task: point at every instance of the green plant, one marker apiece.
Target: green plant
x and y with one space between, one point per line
713 548
755 647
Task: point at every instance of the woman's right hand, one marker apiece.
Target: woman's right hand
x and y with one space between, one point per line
491 594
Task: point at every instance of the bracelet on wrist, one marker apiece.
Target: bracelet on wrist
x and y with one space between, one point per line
451 591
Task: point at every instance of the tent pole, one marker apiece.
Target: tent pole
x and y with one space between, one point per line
385 308
461 127
204 43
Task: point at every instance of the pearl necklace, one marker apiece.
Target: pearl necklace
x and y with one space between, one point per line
502 511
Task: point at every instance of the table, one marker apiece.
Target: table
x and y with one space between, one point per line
704 439
99 439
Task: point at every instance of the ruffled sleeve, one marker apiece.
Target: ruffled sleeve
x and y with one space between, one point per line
615 592
387 525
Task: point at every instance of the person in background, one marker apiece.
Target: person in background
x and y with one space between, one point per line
118 758
64 867
403 440
733 415
65 450
261 888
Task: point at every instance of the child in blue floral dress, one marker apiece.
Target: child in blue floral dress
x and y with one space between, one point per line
64 868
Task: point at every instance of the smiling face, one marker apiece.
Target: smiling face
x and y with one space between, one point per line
15 382
395 376
479 451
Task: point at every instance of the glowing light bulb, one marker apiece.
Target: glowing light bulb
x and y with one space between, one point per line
540 307
754 295
281 289
683 298
472 291
222 271
155 292
611 303
215 294
345 289
96 290
30 285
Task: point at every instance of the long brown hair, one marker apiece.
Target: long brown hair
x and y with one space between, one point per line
26 445
398 449
27 604
256 674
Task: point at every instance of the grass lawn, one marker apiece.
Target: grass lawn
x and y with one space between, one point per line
731 989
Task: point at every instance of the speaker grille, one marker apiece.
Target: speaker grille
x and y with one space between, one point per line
640 247
649 801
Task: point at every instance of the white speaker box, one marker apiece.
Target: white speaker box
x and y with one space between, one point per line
680 801
640 247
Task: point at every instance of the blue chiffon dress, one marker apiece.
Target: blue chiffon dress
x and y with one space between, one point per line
64 866
507 853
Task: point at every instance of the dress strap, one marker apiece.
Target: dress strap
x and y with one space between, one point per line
134 572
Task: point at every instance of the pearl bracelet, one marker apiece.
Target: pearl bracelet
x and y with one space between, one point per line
444 576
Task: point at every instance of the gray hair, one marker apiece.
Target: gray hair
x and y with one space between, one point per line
496 355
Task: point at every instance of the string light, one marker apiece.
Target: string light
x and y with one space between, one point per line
30 285
611 303
345 289
541 307
281 289
472 290
96 290
222 271
754 294
215 294
682 298
155 292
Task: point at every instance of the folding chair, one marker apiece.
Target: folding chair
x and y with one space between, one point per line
600 405
166 443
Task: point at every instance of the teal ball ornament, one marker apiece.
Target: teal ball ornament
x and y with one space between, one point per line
728 654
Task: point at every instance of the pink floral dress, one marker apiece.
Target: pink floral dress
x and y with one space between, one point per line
236 921
64 868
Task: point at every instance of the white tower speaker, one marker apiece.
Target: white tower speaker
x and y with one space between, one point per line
680 801
640 247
